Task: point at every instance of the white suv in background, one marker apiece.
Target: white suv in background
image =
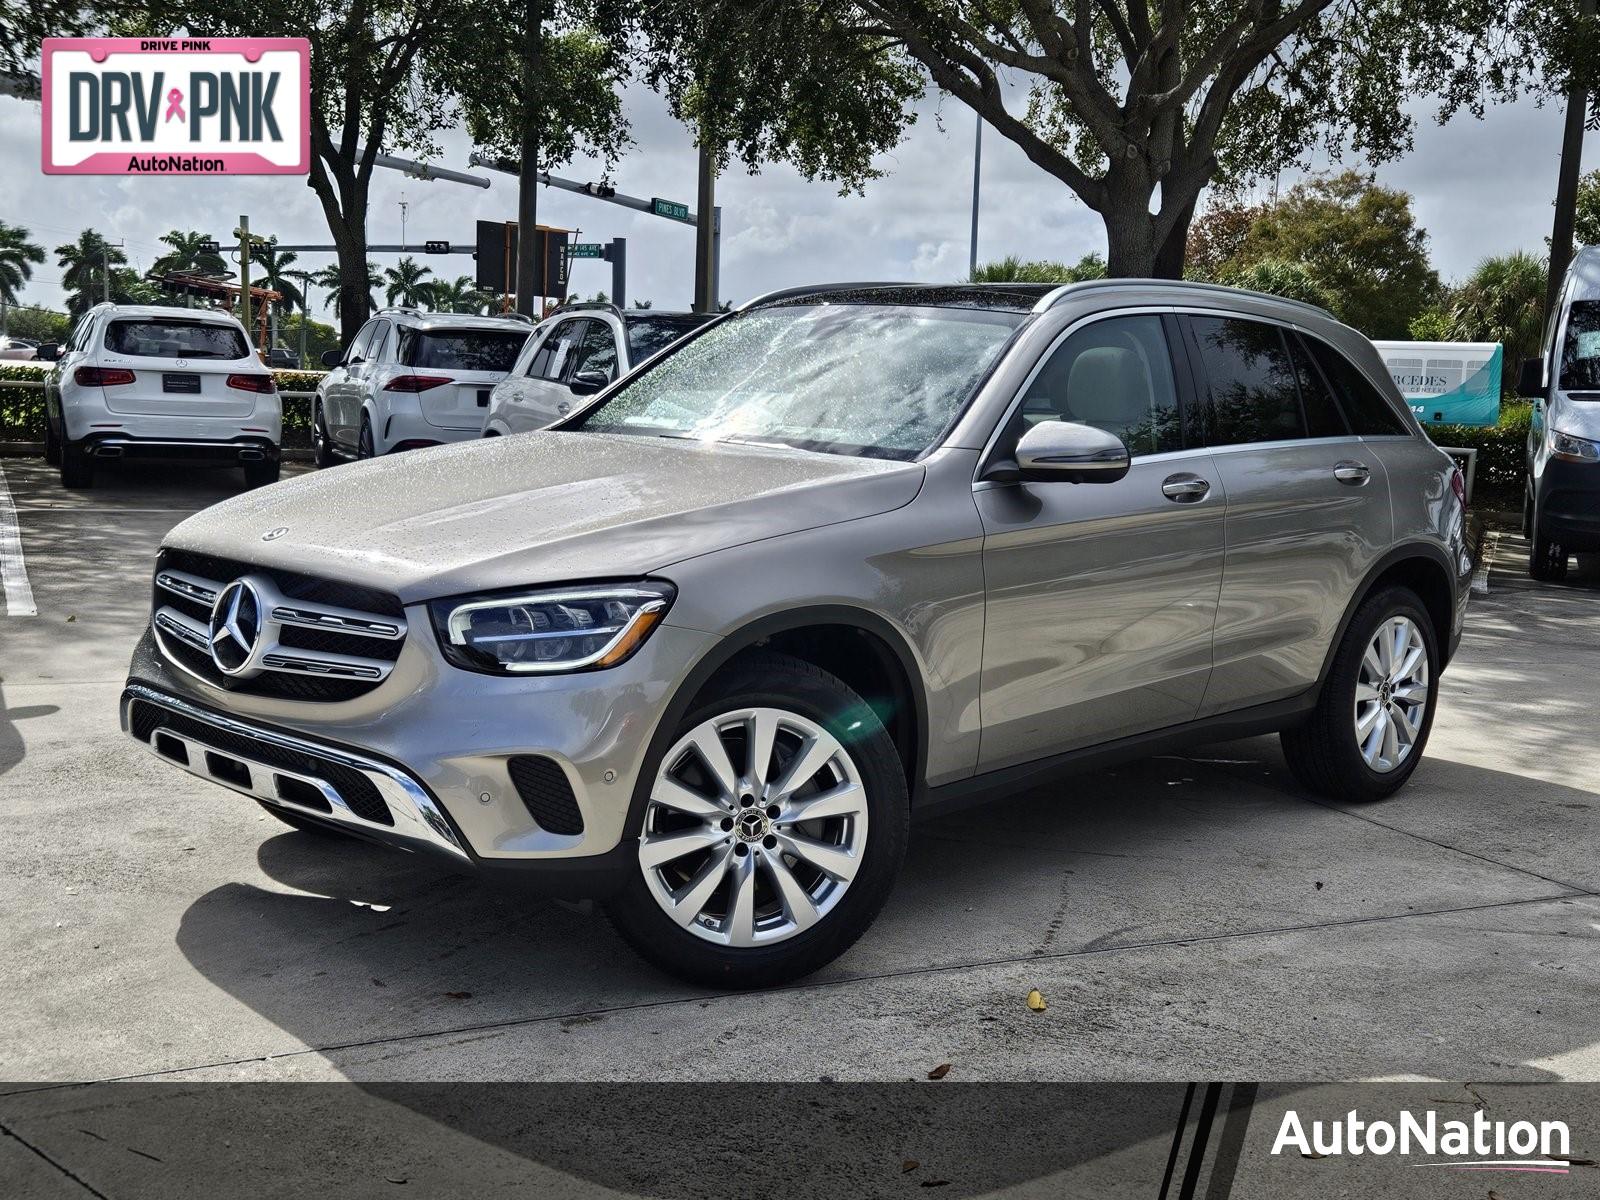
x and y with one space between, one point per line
575 353
411 379
171 384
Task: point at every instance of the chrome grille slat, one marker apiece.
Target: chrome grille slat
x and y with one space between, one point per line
331 647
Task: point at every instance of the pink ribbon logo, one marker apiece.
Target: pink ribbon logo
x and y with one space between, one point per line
175 105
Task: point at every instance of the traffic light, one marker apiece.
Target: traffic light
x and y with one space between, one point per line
436 247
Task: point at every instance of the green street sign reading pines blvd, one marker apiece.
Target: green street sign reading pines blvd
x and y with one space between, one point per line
669 208
585 250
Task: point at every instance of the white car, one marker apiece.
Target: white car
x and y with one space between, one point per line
169 384
411 379
15 349
575 353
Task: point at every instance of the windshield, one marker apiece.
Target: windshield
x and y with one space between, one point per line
1580 354
875 379
461 349
648 336
175 339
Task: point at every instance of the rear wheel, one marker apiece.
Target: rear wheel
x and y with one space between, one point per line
77 468
364 448
321 443
1372 720
259 474
774 829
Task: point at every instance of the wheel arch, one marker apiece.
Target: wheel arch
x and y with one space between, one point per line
832 637
1425 569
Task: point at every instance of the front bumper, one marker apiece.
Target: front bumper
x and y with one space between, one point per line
1568 504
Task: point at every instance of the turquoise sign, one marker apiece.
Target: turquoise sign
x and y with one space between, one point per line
1447 383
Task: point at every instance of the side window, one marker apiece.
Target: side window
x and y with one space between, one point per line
1254 397
376 344
1370 414
358 348
1115 374
551 359
597 351
1323 418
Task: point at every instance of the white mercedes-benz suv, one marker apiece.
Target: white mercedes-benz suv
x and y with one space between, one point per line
171 384
411 379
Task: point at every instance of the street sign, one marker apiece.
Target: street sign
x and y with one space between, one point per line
670 208
497 251
585 250
436 247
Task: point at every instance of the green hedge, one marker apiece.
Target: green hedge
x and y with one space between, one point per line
22 409
1501 449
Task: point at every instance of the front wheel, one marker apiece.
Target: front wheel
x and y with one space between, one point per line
321 443
52 444
1367 733
1547 558
775 825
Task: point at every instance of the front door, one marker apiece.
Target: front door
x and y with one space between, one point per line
1101 597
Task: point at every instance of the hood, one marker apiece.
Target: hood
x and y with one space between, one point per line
540 508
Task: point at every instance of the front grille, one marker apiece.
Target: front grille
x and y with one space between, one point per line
543 786
359 792
306 593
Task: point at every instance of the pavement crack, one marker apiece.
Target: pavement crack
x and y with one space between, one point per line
65 1171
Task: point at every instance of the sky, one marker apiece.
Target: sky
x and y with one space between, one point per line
1479 188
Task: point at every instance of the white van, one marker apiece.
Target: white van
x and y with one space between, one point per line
1561 499
174 384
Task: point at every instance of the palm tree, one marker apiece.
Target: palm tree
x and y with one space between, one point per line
460 296
408 283
17 256
1502 301
84 267
186 254
275 266
330 281
1012 269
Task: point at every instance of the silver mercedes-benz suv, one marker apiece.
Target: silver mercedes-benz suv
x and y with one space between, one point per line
847 555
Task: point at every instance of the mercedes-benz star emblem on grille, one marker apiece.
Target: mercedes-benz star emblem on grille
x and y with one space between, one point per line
235 628
273 535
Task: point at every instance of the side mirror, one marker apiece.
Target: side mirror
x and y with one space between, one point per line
587 383
1530 378
47 352
332 358
1066 452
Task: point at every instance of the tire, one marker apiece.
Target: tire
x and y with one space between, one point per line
1527 510
52 444
321 443
77 468
259 474
1326 753
364 448
296 821
1547 558
870 827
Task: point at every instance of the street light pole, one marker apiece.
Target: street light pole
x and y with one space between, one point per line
705 234
977 163
1567 183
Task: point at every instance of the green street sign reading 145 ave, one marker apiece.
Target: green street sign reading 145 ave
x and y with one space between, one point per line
585 250
669 208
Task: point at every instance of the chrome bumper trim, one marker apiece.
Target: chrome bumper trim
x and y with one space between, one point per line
418 821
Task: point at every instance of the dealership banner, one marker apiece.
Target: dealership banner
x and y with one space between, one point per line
176 106
1447 383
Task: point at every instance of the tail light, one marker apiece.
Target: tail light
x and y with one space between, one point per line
416 383
101 376
1458 485
253 383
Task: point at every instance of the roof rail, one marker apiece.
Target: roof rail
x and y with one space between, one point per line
810 289
591 305
1187 285
398 308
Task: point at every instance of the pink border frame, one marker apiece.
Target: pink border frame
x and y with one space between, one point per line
243 163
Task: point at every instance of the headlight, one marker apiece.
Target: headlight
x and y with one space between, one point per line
1573 449
562 629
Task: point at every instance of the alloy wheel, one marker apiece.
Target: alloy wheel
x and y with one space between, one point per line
756 826
1391 694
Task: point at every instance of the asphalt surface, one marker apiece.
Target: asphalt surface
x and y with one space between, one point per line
1187 917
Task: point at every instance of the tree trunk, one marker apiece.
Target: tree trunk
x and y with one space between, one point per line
1130 227
1170 256
530 246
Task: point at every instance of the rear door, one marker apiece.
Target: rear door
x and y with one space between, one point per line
1308 507
180 366
1101 597
341 393
543 396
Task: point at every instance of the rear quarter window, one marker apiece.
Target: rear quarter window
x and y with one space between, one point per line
1369 413
146 338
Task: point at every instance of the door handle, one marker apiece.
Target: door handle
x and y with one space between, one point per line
1352 472
1185 489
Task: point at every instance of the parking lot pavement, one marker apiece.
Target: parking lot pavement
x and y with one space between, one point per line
1185 917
